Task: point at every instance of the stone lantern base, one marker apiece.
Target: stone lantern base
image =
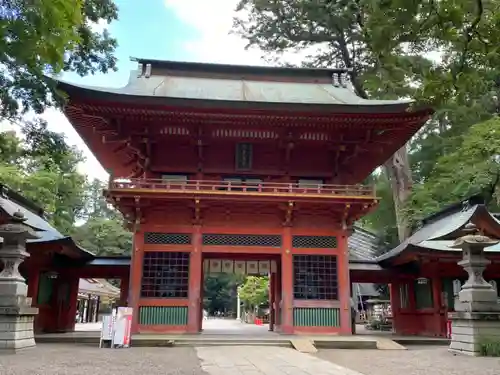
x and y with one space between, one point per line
16 318
470 329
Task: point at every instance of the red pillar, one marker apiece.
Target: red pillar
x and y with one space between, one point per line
33 280
277 297
195 270
287 282
344 286
135 279
74 284
439 317
124 288
395 305
202 291
272 298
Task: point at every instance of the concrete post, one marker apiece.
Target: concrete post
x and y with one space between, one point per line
16 313
238 304
477 311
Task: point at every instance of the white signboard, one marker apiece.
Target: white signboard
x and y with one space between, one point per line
122 327
107 329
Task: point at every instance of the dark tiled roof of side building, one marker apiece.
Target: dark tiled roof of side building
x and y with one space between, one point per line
440 229
12 201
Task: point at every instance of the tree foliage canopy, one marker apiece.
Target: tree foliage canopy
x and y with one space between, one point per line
473 168
47 37
254 291
445 54
220 292
43 168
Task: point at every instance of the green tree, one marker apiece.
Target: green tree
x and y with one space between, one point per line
104 236
10 148
382 221
44 169
384 44
47 37
254 291
473 168
104 231
220 292
96 204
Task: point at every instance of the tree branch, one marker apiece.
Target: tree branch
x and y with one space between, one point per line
468 34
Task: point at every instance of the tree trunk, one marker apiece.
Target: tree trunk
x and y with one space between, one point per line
399 175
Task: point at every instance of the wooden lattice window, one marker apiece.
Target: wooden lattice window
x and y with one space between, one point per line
315 277
157 238
314 242
242 240
165 274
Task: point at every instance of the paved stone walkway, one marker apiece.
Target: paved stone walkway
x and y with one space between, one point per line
58 359
243 360
417 360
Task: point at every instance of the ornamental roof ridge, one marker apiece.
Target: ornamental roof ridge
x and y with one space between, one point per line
238 68
462 205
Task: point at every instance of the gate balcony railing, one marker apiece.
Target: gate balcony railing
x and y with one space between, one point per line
203 187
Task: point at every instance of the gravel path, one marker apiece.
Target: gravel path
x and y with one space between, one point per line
427 360
85 360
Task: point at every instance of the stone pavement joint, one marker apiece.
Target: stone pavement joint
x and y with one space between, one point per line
251 360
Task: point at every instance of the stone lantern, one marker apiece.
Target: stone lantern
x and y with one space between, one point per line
16 313
477 311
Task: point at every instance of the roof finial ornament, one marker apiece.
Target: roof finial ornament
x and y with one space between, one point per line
140 68
345 78
336 79
465 205
18 217
470 228
147 74
4 191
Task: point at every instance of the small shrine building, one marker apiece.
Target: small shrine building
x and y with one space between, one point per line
55 266
423 271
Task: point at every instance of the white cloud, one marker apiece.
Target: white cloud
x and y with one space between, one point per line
214 20
99 26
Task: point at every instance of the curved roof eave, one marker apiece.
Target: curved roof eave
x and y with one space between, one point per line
444 229
67 240
135 98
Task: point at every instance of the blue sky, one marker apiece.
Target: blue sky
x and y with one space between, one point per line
182 30
152 31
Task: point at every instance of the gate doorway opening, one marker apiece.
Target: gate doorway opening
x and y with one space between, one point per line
240 294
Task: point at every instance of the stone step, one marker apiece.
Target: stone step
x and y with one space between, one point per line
283 344
304 345
387 344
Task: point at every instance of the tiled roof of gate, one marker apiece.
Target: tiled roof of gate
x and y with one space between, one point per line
174 80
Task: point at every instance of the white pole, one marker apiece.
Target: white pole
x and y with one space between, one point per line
238 304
